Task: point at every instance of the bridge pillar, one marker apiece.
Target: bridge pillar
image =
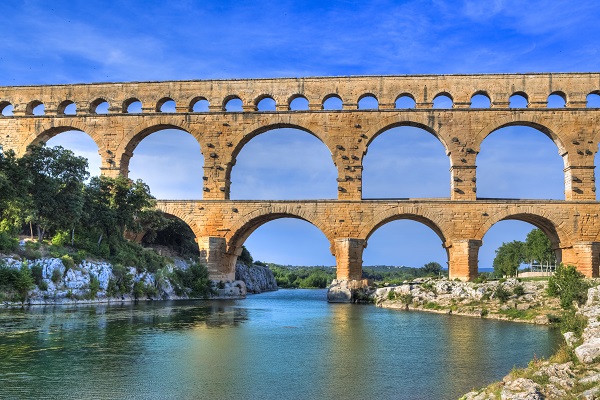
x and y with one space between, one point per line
463 182
580 183
462 258
213 253
348 258
585 256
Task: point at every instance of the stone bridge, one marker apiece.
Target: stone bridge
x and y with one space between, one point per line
221 225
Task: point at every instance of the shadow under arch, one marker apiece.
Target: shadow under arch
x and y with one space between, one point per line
172 209
140 133
243 139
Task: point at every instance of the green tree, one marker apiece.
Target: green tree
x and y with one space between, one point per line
509 257
538 248
568 285
56 180
14 186
432 268
245 258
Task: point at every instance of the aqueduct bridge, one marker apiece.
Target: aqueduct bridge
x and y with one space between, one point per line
222 225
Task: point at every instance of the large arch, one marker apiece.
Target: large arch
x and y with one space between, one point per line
427 218
181 172
522 119
173 208
400 145
241 141
516 161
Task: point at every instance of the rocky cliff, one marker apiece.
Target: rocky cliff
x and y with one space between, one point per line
258 279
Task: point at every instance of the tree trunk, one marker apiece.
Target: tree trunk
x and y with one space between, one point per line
100 239
73 237
30 230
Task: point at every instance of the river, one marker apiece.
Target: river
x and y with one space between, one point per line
289 344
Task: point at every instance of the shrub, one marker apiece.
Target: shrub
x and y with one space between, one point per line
138 289
94 286
193 280
501 294
61 238
572 322
37 274
124 280
568 285
43 285
68 262
8 243
56 275
112 288
519 290
391 295
405 298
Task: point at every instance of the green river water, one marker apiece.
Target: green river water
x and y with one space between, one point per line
289 344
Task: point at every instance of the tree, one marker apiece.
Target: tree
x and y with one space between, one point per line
56 179
568 285
538 248
432 268
509 257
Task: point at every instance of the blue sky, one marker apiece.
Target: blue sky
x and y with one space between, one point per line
82 41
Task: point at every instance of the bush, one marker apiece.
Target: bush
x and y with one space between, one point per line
501 294
68 262
193 280
43 285
124 280
16 282
572 322
94 286
568 285
138 289
56 275
61 238
519 290
37 274
8 243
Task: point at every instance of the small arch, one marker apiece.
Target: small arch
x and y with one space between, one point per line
99 106
557 100
519 100
233 103
480 100
6 109
132 105
405 100
443 100
166 105
35 107
333 102
199 104
368 101
67 107
298 103
266 103
593 99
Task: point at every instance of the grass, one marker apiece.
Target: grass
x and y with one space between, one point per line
513 313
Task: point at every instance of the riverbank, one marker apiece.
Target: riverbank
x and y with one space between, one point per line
58 281
510 299
572 373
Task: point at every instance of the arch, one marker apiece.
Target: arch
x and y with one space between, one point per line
166 105
427 218
523 119
481 99
298 102
244 227
174 209
171 162
408 120
33 106
65 108
332 102
557 99
95 106
558 234
294 174
368 101
518 100
593 99
48 131
5 108
146 129
265 103
132 101
233 103
199 104
443 100
405 100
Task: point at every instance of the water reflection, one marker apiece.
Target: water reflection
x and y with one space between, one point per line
288 344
